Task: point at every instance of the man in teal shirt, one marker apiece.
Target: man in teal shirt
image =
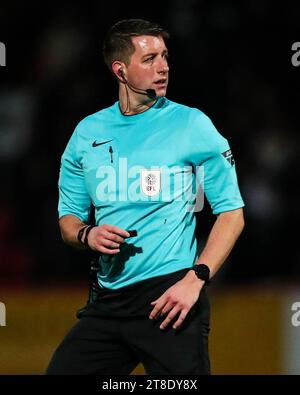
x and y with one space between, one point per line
144 163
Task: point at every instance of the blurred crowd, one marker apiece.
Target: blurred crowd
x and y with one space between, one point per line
229 59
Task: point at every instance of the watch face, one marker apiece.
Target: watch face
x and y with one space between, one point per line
202 272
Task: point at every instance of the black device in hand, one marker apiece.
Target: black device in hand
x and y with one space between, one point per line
132 233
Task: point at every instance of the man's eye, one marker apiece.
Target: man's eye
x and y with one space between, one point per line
151 58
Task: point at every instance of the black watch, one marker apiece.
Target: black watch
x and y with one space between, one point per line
202 271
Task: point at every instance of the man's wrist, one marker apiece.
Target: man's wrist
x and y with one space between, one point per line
82 235
202 272
86 234
191 276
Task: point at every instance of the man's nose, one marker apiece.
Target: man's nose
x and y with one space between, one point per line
163 66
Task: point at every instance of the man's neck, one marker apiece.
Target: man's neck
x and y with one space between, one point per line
134 103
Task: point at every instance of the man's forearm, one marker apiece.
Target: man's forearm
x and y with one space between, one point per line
69 228
221 240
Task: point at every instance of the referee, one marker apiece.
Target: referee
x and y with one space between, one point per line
142 163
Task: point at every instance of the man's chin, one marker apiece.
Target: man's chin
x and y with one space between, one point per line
161 92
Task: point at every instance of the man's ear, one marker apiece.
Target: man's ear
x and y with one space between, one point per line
118 70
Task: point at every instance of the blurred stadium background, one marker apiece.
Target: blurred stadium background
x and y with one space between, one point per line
230 59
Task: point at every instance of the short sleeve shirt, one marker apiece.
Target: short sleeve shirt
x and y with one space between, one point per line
147 172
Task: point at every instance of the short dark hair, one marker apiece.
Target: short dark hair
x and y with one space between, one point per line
118 45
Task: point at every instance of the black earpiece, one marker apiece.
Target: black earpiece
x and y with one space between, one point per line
121 72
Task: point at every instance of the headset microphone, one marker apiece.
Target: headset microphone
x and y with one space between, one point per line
151 93
148 92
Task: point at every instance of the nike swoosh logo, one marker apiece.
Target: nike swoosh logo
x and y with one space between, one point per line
103 142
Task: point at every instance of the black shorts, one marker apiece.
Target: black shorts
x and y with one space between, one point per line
114 334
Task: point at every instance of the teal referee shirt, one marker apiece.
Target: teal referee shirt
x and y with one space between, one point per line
147 172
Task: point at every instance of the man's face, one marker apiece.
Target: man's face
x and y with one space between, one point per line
148 68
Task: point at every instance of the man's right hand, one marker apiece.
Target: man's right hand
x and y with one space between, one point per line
107 238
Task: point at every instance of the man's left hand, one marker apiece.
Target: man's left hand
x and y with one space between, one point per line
178 299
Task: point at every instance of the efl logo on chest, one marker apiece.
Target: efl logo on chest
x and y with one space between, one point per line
150 182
